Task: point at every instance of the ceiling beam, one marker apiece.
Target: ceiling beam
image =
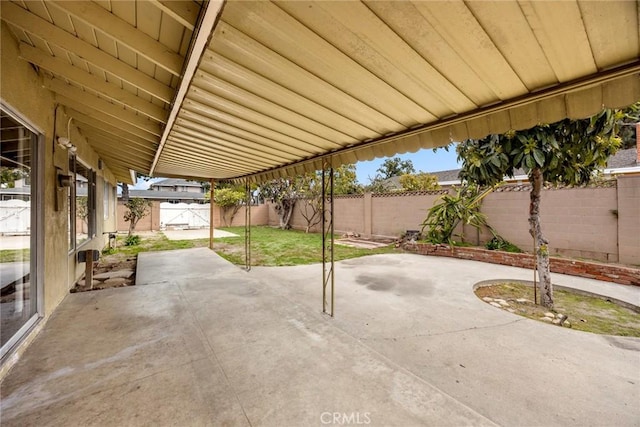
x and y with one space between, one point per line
124 33
179 160
116 160
191 145
64 69
185 12
33 24
199 44
90 131
120 155
111 124
107 130
85 98
221 144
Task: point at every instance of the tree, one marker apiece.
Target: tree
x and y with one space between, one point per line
377 184
463 206
345 180
137 209
283 193
311 199
419 182
631 116
310 191
395 167
566 152
9 176
229 199
82 209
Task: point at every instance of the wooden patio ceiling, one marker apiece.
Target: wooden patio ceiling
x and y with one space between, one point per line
260 89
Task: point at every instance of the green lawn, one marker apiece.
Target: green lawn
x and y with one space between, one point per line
269 247
14 255
157 242
275 247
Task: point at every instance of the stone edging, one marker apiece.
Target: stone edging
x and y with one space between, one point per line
592 270
577 291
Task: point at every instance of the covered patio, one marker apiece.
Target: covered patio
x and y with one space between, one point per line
199 341
93 92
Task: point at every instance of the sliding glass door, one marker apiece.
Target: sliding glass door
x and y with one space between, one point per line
18 229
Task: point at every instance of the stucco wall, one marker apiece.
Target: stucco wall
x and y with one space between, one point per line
22 92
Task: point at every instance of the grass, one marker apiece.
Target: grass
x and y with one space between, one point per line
269 247
585 313
14 255
275 247
153 243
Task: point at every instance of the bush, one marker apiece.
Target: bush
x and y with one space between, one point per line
133 240
500 244
108 251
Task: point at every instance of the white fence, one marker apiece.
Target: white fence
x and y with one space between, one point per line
15 217
183 215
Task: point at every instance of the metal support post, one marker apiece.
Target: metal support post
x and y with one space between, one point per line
327 239
247 227
212 184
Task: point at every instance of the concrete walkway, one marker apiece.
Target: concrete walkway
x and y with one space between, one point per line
201 342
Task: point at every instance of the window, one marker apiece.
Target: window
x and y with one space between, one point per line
82 204
20 222
106 195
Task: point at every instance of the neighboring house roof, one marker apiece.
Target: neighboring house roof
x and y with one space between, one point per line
166 195
448 175
173 182
20 190
624 159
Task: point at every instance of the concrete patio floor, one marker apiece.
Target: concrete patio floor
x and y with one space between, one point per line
200 342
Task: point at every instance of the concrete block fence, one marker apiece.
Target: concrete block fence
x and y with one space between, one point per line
594 223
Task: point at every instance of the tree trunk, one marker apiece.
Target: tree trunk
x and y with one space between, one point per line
287 212
542 244
132 226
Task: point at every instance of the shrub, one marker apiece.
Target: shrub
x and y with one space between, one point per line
133 240
500 244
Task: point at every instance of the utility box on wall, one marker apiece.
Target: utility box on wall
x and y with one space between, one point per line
92 254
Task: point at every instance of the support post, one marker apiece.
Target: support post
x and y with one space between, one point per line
327 239
211 207
88 273
247 227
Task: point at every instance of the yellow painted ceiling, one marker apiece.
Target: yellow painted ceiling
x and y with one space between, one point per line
281 87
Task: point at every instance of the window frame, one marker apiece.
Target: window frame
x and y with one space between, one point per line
74 161
36 238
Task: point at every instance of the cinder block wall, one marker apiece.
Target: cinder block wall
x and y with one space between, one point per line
578 222
393 214
259 216
594 223
629 219
148 223
349 214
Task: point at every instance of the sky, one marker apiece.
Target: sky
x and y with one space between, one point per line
424 160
